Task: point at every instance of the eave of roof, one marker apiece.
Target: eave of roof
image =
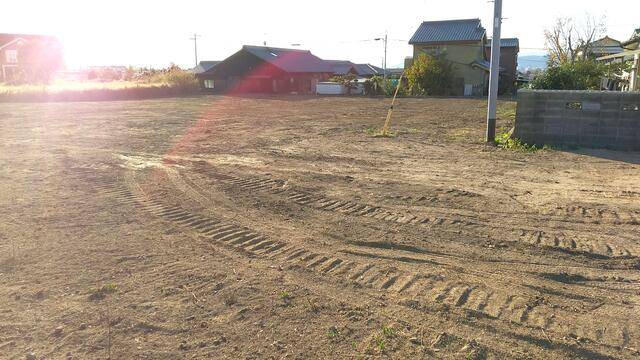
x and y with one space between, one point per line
505 43
6 38
624 55
205 66
11 42
484 65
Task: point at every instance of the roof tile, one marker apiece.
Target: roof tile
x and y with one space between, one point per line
506 42
448 31
290 60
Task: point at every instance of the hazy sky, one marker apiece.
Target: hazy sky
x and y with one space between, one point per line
156 33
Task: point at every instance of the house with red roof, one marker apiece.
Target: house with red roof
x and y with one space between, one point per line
262 69
29 58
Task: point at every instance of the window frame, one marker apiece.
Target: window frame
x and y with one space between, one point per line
209 84
11 56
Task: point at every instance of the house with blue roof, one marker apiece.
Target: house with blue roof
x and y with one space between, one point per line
463 43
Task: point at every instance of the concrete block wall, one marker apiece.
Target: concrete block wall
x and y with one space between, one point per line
593 119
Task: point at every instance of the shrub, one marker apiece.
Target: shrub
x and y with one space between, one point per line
181 79
173 77
392 84
430 75
578 75
374 86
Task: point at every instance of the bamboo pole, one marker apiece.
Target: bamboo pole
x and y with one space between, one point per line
387 123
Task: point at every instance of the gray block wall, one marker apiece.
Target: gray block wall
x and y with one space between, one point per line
593 119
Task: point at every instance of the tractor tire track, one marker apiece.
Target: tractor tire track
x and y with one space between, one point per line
578 243
364 269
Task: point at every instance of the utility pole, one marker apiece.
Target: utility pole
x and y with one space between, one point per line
195 46
384 63
494 74
635 72
385 58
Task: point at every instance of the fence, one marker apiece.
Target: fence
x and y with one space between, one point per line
594 119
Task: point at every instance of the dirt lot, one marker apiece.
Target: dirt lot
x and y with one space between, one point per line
220 227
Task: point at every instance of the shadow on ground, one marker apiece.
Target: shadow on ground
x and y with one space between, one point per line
630 157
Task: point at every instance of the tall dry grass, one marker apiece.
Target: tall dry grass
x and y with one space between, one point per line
168 83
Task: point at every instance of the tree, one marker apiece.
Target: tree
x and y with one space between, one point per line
430 75
568 38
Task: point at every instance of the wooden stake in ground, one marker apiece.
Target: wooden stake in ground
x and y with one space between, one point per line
387 123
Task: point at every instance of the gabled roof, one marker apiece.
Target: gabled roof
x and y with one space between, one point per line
603 46
506 43
7 38
205 66
17 40
341 67
448 31
294 61
606 41
290 60
368 70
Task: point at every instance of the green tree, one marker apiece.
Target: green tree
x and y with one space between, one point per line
430 75
578 75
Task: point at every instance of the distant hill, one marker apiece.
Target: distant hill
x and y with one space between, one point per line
532 62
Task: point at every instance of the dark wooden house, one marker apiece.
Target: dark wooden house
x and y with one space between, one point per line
261 69
509 49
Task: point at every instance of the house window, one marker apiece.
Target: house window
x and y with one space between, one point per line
208 84
433 51
11 56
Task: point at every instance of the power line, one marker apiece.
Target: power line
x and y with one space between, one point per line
368 40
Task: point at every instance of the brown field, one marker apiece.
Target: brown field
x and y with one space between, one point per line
218 227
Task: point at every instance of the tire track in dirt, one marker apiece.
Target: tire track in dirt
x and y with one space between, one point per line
416 290
540 238
569 213
568 218
598 215
526 306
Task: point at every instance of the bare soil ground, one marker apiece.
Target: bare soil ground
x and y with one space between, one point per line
220 227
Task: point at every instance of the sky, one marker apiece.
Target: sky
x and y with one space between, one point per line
157 33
